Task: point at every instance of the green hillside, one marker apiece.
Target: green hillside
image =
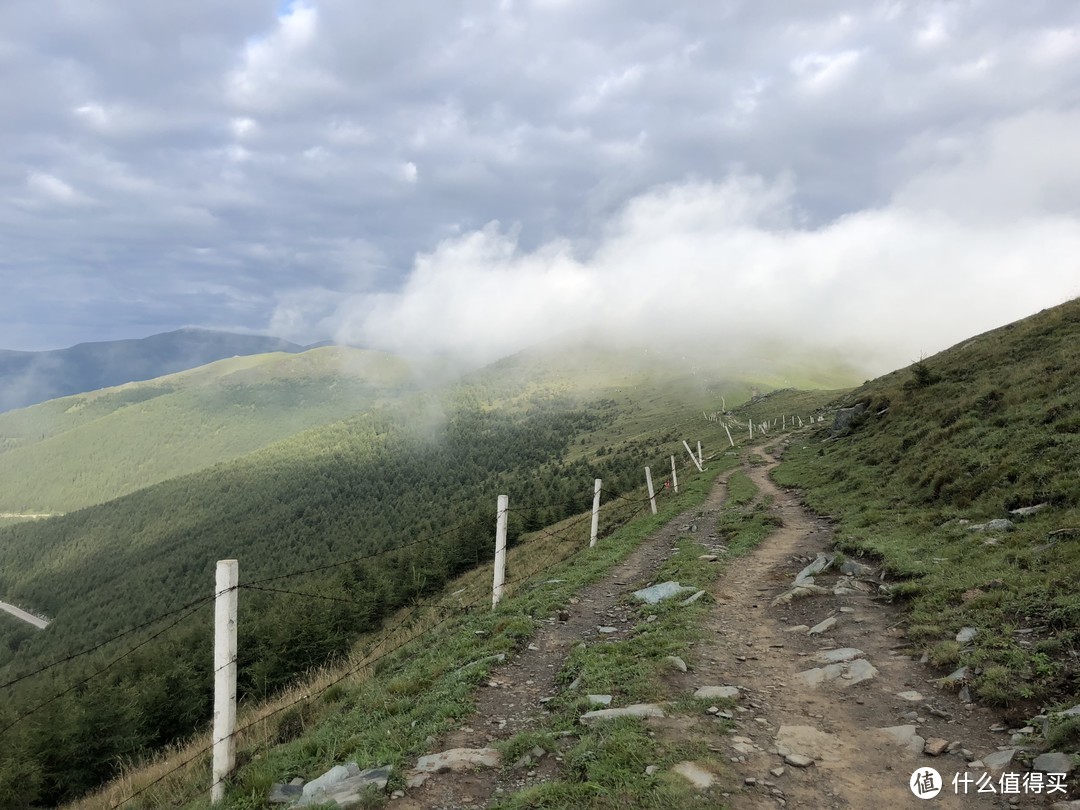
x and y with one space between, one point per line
72 452
943 447
421 473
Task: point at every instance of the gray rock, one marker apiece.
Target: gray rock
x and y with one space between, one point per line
600 700
808 741
778 772
641 710
693 598
607 630
911 695
676 662
996 525
339 773
651 769
458 759
713 692
708 557
855 569
1073 712
845 417
800 592
1027 511
660 592
966 634
348 791
965 695
799 628
905 736
999 760
957 677
798 761
695 775
1053 762
823 626
284 794
837 656
858 671
806 576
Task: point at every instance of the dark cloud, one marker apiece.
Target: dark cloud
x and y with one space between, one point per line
308 167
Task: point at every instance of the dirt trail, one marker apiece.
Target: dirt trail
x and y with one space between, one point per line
836 723
19 613
513 704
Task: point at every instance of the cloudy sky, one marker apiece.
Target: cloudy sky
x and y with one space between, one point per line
475 176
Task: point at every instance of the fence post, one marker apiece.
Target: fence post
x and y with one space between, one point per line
674 477
693 458
700 458
228 576
652 495
500 551
751 422
731 441
595 513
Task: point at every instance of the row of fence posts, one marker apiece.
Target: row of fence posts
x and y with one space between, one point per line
225 617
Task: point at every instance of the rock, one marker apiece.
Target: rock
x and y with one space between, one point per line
935 746
1073 805
966 634
823 626
855 569
999 760
713 692
817 676
996 525
904 736
607 630
416 780
637 710
910 695
1053 762
337 774
778 772
959 676
799 592
660 592
693 598
858 671
349 791
676 662
796 761
600 700
845 417
847 610
809 742
284 794
651 769
695 775
1073 712
965 695
750 781
708 557
806 576
458 759
799 628
837 656
1027 511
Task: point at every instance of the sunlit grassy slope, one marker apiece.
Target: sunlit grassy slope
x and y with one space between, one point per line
80 450
986 427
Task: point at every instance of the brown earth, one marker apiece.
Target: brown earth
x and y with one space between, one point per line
750 646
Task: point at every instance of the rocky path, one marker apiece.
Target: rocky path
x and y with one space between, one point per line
832 711
19 613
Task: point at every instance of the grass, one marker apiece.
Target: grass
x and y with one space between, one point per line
967 435
422 681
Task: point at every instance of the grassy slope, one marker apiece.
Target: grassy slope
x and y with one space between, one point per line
990 425
69 453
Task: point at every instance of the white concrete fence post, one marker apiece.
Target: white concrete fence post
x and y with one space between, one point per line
700 458
674 477
500 551
595 513
652 494
693 458
225 605
731 441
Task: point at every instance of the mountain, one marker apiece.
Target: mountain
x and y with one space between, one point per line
27 378
76 451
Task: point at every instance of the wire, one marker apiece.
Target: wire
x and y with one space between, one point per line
90 677
89 650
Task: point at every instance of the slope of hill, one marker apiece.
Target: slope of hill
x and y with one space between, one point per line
425 469
961 474
75 451
27 378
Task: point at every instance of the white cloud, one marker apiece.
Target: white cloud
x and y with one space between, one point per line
820 72
52 188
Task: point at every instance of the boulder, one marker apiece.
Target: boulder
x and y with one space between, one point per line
845 417
346 792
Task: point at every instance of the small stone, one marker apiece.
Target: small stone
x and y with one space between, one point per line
637 710
599 700
676 662
652 769
910 695
398 794
999 760
284 794
750 781
796 761
693 598
966 634
823 626
708 557
778 772
935 746
458 759
713 710
712 692
799 628
606 629
847 610
534 648
1053 762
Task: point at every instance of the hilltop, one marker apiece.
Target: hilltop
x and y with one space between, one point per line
27 378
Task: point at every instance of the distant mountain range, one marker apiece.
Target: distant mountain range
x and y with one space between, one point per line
27 378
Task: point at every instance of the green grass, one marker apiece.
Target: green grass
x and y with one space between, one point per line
985 427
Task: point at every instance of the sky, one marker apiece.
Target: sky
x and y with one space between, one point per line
879 178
